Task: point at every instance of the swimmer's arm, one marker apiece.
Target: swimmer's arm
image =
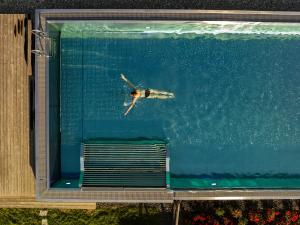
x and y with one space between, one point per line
128 82
131 106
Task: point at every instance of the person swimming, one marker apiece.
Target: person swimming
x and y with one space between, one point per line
144 93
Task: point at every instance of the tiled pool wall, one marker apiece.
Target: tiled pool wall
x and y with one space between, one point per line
81 36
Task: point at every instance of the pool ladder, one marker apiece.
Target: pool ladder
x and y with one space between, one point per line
42 49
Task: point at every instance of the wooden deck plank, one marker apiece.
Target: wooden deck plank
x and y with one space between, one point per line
17 126
26 102
1 99
23 109
13 107
5 96
31 203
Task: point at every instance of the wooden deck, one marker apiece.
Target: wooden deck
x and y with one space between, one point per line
17 181
16 175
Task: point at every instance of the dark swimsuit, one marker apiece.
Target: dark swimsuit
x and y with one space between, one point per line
147 93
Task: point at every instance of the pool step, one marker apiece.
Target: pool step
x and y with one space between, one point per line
123 163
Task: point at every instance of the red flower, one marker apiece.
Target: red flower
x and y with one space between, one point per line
295 217
270 219
254 217
270 216
202 218
277 213
227 221
288 213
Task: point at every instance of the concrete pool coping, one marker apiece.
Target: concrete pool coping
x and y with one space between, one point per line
43 190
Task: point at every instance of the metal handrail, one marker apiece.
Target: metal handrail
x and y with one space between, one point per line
41 51
40 34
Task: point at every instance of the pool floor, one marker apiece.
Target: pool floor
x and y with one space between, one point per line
235 119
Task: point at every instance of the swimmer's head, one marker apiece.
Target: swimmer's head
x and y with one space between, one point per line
134 93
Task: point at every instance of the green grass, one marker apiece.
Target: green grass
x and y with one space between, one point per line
108 215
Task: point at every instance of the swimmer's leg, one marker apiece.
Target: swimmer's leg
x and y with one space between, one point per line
160 96
155 91
163 96
170 95
158 92
167 94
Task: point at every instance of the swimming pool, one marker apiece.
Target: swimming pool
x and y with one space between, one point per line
234 122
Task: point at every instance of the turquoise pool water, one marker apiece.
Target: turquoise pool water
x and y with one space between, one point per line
235 120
